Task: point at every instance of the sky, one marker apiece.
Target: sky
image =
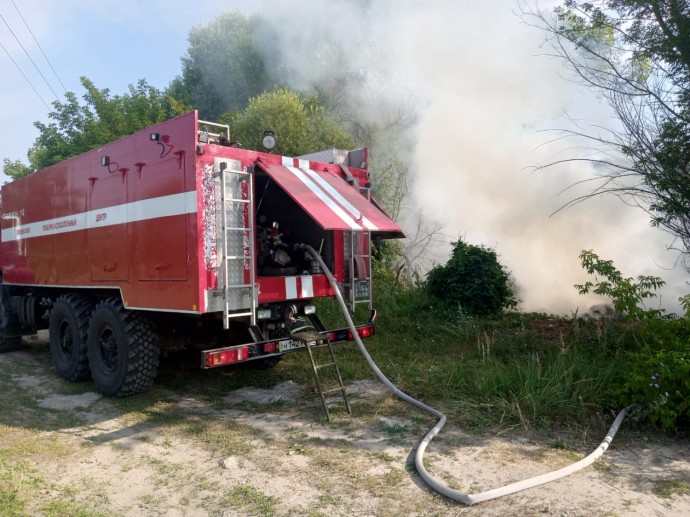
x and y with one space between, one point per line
472 73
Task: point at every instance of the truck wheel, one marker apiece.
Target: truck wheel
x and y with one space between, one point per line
10 344
8 321
122 349
69 323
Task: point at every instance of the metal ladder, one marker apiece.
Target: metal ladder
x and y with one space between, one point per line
238 234
360 289
313 339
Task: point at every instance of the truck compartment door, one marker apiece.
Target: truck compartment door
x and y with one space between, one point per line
162 241
108 243
331 202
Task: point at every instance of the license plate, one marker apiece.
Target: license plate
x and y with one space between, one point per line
292 344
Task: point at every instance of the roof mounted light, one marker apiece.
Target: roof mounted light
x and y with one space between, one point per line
155 137
269 140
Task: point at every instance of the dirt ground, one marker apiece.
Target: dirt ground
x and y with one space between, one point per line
67 450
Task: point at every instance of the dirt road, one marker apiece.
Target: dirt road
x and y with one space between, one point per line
192 448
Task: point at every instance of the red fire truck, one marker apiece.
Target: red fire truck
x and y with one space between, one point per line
175 236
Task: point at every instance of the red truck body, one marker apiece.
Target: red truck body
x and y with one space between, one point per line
177 220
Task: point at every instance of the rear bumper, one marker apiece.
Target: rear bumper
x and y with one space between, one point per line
275 347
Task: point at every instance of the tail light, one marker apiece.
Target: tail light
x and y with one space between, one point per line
220 358
270 348
363 332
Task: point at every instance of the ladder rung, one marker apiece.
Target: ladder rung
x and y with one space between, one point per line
236 257
324 365
239 286
238 314
333 390
237 229
236 200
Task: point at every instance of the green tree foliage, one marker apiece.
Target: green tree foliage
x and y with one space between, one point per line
636 54
474 279
237 57
224 65
301 126
78 127
627 294
657 352
15 169
659 375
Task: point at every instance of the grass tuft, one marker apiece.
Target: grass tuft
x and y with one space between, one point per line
251 500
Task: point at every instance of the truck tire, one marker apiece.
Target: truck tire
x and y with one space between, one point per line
10 344
122 348
69 323
9 325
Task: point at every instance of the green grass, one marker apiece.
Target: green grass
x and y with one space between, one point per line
667 488
61 508
517 369
20 451
251 500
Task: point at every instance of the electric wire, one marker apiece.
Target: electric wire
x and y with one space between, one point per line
30 59
25 77
468 499
39 46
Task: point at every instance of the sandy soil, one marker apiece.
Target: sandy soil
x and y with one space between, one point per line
270 452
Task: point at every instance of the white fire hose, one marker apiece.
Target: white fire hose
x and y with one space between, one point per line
468 499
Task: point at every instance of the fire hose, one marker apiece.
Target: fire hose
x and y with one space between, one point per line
468 499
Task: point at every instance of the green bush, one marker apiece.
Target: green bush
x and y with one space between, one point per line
472 279
627 294
660 372
655 346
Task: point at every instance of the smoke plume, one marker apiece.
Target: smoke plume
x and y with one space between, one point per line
469 74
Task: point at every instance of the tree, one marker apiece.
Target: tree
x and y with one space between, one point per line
224 66
473 279
77 128
237 57
627 294
636 55
301 125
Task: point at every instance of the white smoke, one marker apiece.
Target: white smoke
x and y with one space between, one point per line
480 91
469 73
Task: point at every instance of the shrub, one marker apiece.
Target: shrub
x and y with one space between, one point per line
660 372
627 294
657 346
473 279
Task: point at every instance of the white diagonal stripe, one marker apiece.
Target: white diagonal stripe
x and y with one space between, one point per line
299 174
340 199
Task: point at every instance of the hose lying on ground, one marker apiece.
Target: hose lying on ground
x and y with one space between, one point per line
468 499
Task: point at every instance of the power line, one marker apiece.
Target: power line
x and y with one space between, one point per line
25 77
27 55
39 46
